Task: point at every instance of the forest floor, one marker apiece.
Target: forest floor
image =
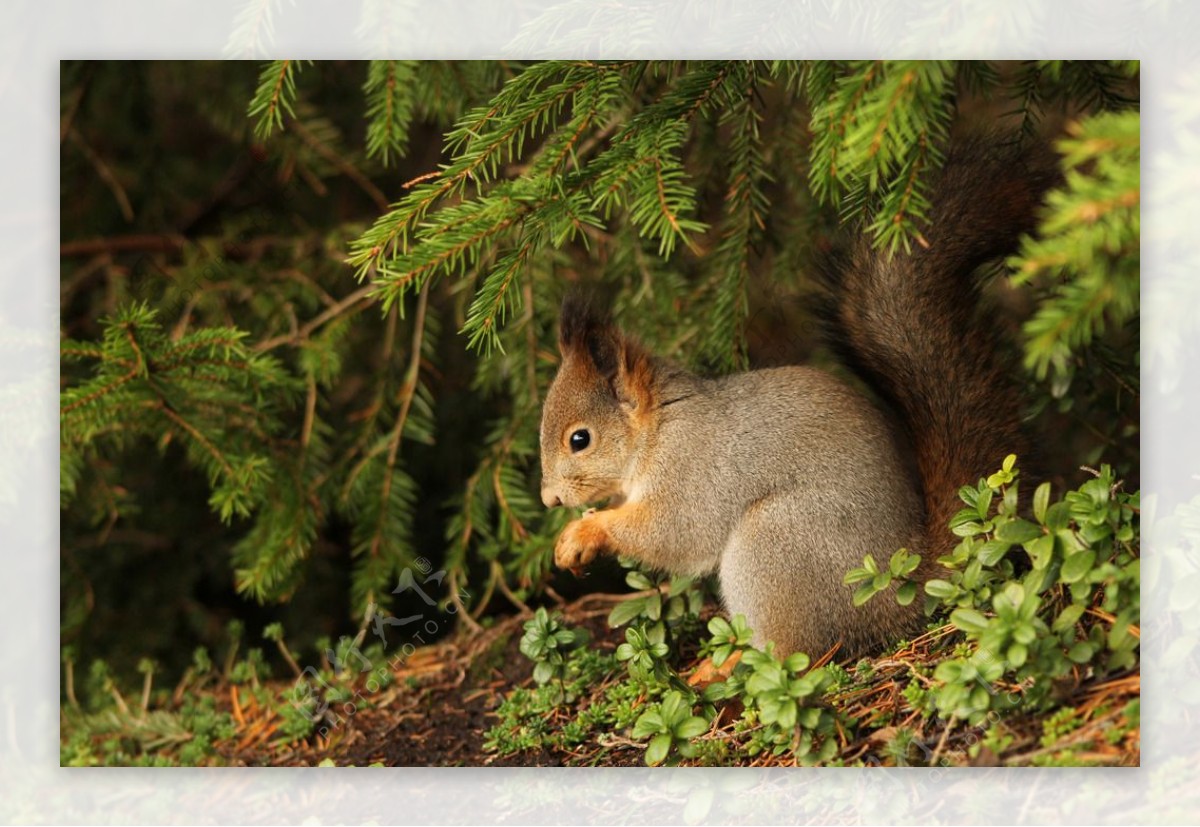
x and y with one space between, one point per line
446 697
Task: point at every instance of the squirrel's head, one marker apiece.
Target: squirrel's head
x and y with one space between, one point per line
595 410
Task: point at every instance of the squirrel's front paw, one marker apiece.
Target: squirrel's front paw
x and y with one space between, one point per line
579 544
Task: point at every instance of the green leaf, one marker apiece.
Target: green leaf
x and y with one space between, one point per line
786 716
969 494
864 593
719 627
626 611
1025 633
691 727
769 707
653 606
1040 551
638 580
968 528
991 552
797 662
809 717
984 504
1077 566
941 589
657 750
856 576
805 686
1058 516
543 671
1041 501
764 680
1068 617
968 620
1018 531
1081 652
948 671
906 593
649 723
680 584
719 691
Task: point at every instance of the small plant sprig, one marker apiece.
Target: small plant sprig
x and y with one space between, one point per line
782 704
681 602
671 728
656 620
548 643
644 652
875 579
728 636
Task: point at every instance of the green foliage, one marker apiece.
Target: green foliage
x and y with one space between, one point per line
644 652
782 699
113 733
389 91
658 619
548 644
525 714
206 390
1025 593
669 725
728 636
1087 252
275 96
661 614
874 580
877 127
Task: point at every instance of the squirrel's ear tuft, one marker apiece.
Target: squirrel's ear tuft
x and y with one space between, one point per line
585 332
634 383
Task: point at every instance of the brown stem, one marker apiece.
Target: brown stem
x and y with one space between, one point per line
408 391
302 333
104 171
344 166
458 604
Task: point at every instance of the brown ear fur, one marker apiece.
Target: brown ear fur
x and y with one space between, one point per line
589 336
635 380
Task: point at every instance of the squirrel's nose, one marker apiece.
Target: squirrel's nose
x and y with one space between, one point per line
550 499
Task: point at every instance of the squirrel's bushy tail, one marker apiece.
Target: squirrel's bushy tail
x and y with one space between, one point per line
908 323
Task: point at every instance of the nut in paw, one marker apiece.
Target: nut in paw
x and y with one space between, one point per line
579 544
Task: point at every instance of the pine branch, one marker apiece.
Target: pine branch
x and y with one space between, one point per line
880 128
275 96
389 94
1088 245
742 225
521 108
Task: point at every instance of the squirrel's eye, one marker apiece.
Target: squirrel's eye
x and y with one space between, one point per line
580 440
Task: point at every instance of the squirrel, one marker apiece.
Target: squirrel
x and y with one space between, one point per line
780 480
